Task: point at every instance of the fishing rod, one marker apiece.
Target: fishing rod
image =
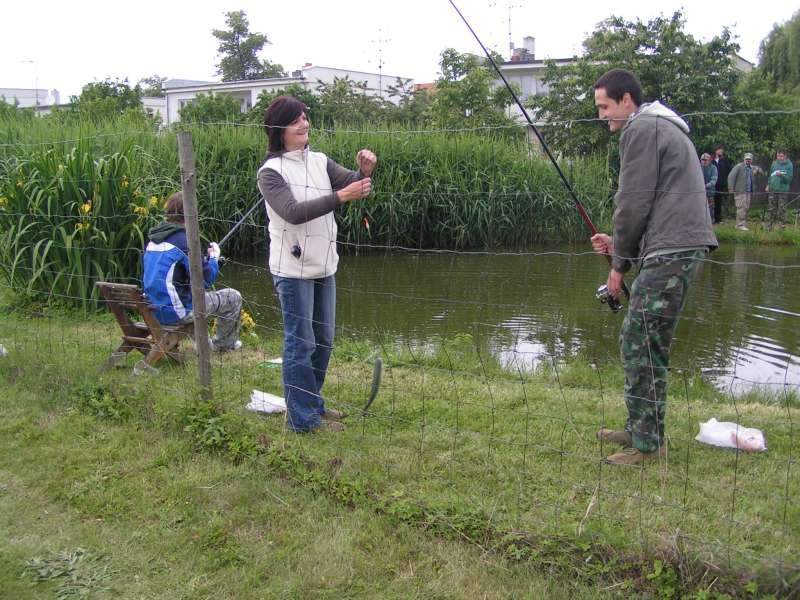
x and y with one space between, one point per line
602 292
239 224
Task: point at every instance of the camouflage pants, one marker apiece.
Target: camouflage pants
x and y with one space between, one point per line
658 295
776 208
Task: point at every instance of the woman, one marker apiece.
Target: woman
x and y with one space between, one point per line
301 189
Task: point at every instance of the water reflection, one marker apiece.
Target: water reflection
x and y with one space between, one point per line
740 328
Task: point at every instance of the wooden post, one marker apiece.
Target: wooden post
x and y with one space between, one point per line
189 188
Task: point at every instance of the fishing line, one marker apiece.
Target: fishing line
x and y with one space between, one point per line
578 205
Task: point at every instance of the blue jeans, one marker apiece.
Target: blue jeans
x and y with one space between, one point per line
309 314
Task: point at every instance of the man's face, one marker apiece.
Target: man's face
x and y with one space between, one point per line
720 152
705 161
780 156
748 161
616 113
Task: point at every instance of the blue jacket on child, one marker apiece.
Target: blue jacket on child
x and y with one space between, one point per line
166 273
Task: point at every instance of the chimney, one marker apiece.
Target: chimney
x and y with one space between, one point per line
529 43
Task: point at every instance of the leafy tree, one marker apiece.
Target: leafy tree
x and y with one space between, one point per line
239 49
152 86
347 101
762 125
464 96
107 98
779 56
413 105
685 74
265 98
212 108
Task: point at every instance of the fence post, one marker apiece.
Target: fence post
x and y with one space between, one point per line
189 188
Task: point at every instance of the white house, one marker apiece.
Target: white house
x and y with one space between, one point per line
29 98
179 92
527 72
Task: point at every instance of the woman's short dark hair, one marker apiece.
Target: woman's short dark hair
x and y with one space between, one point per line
174 208
618 81
281 112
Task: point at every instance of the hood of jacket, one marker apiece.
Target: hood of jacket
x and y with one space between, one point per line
656 109
163 230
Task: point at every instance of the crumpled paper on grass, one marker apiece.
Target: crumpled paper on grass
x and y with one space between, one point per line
263 402
725 434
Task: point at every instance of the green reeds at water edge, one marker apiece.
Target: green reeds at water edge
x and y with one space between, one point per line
77 199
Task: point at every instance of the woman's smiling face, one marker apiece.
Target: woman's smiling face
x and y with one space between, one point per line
295 136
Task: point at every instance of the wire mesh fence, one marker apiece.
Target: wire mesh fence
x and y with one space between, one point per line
499 368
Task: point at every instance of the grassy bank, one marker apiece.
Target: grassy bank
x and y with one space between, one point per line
464 481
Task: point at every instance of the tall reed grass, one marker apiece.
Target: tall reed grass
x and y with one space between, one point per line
75 196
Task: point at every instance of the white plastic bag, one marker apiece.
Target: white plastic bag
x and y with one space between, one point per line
730 435
266 403
3 351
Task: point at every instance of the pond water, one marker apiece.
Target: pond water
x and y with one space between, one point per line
741 326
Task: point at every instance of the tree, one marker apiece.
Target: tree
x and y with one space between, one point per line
779 56
152 86
212 109
687 75
412 105
464 95
107 98
239 49
265 98
347 101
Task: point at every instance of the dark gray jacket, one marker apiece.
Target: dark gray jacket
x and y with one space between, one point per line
661 202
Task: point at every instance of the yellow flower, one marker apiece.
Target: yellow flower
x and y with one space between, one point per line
124 182
248 323
81 226
141 211
153 202
86 207
19 183
3 201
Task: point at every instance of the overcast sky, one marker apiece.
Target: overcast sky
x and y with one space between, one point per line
63 45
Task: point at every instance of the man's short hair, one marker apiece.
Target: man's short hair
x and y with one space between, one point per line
617 82
781 151
174 208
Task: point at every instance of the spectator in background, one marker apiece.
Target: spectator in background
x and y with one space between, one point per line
723 169
780 180
742 182
710 179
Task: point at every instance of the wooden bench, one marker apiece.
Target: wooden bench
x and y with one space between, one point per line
148 336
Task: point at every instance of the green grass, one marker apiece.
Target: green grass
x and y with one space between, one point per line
465 481
758 233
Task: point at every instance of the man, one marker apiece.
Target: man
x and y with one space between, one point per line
723 168
780 180
710 179
741 181
166 280
661 222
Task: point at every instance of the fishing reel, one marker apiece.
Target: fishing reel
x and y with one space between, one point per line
605 297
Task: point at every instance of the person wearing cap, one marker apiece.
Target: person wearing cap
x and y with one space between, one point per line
742 182
780 180
710 178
